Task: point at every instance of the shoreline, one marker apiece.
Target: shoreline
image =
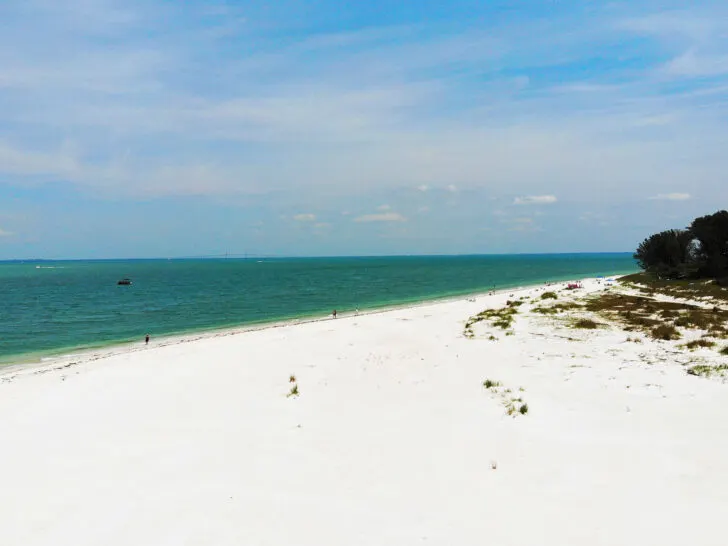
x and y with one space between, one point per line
389 427
74 356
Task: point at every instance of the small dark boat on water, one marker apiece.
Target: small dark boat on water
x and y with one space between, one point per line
124 282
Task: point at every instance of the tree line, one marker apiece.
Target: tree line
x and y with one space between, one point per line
699 251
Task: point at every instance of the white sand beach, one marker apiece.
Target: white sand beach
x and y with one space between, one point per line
392 440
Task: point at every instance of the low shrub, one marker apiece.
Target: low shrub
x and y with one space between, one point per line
645 322
665 332
694 320
549 296
587 324
699 343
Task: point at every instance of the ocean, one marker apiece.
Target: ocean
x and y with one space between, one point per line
59 307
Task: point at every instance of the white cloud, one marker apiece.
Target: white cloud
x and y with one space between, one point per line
671 197
371 106
384 207
424 209
5 233
384 217
306 217
452 188
692 64
535 200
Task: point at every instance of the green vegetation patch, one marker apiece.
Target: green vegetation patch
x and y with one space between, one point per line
681 288
705 370
514 405
640 313
696 343
545 310
557 308
585 324
500 318
549 296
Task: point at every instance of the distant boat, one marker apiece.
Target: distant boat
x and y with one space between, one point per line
124 282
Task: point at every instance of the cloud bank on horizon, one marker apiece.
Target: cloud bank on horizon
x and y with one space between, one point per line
148 128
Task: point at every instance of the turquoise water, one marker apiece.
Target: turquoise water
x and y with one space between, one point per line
50 308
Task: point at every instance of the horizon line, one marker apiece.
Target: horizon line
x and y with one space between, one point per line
281 256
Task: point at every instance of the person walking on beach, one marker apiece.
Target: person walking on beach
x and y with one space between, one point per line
334 313
146 340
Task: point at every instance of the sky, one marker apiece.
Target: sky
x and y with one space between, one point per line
150 128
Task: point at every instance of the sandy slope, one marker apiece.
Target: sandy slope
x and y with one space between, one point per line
392 441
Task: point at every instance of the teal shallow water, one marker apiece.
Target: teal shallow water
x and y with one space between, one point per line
49 308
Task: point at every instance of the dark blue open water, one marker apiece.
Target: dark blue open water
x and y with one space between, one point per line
54 307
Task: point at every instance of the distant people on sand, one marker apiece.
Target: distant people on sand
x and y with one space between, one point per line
146 339
334 313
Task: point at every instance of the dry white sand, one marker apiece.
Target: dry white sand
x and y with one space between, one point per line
392 441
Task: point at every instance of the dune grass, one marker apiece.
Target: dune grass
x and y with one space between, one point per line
500 318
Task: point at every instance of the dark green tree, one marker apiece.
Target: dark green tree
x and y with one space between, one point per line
668 254
711 232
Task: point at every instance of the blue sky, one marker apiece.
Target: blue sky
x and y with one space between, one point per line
140 128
